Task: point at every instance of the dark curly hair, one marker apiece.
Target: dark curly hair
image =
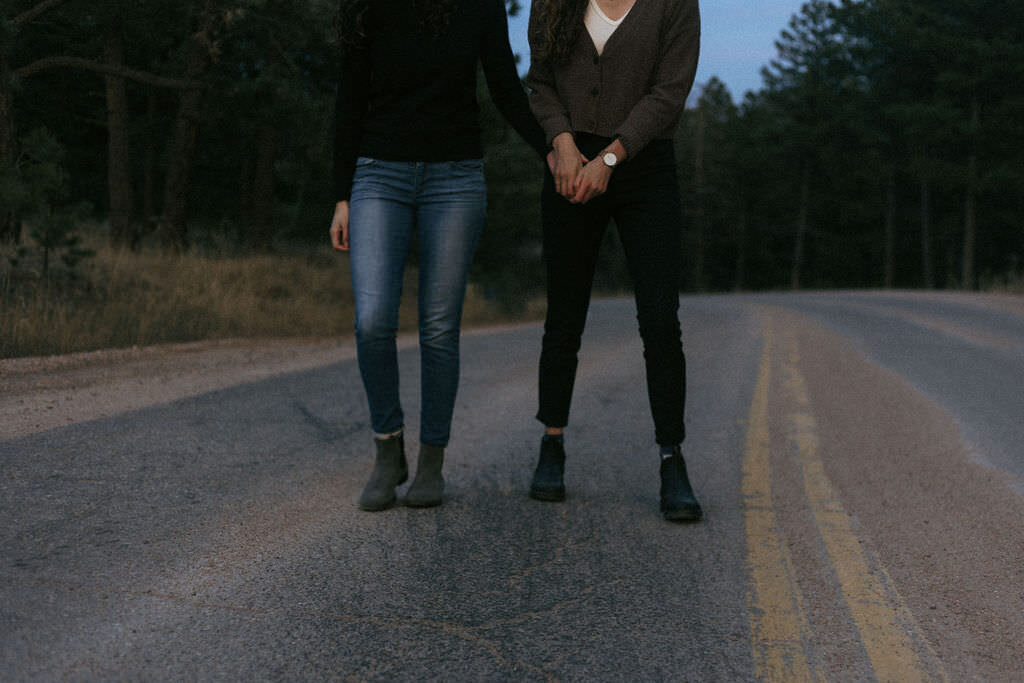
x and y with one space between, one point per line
437 15
555 27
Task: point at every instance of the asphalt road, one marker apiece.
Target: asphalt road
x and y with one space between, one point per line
858 457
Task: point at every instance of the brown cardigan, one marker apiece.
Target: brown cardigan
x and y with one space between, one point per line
635 91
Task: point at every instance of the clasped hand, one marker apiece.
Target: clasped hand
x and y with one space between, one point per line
577 178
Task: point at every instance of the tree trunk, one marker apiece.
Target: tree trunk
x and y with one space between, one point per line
245 193
173 230
36 11
10 221
10 224
967 280
890 230
123 230
150 206
300 197
927 267
801 226
316 139
262 202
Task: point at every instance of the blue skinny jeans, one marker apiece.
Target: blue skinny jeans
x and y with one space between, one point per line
440 205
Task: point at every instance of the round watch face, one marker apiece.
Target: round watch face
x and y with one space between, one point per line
610 159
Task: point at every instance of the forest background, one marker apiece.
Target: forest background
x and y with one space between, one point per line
165 168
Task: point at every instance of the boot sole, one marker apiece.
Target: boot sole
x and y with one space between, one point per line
377 507
683 515
423 503
548 495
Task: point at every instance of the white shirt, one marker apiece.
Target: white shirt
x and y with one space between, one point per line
599 26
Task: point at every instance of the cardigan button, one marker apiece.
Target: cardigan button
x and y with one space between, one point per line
597 60
595 92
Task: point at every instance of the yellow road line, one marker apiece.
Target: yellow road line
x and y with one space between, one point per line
887 628
777 623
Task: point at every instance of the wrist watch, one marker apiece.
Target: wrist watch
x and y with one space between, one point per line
610 159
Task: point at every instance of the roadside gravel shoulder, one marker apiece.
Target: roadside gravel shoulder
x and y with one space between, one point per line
43 393
47 392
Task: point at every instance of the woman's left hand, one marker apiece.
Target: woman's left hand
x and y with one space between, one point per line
592 181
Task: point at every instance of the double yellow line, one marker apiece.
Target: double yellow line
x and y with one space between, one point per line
779 628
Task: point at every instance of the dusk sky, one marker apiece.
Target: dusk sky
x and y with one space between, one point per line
738 39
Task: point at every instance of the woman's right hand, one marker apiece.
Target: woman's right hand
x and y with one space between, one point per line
565 162
339 226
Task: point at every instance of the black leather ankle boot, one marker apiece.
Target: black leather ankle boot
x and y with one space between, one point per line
678 504
547 481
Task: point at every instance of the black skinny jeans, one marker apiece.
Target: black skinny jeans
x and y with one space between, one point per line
643 199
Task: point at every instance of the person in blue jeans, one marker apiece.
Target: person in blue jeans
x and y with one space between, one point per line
408 167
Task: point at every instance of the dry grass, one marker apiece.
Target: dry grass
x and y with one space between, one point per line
1009 283
124 299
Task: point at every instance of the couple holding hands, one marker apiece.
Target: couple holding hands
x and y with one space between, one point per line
607 84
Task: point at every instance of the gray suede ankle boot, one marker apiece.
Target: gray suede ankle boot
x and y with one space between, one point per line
428 485
389 471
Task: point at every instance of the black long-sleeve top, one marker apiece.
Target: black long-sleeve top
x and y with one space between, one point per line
404 95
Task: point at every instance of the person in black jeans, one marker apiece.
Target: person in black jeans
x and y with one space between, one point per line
608 82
